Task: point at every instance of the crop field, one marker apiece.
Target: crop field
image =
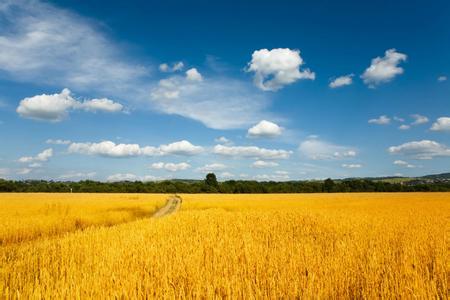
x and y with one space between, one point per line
366 245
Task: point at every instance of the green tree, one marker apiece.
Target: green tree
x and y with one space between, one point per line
211 182
328 185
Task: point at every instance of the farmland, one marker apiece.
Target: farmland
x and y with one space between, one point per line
363 245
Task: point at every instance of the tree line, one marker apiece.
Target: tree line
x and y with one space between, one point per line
211 185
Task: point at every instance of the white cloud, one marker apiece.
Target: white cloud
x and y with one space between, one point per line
47 107
265 129
223 140
77 175
58 142
132 177
404 164
277 67
55 108
442 78
181 148
351 166
424 149
172 167
177 66
44 44
4 172
212 167
264 164
441 124
382 120
341 81
404 127
103 104
24 171
384 69
316 149
418 119
35 165
122 177
220 103
251 151
111 149
226 175
193 75
41 157
278 176
107 148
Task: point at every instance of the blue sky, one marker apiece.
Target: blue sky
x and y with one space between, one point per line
267 91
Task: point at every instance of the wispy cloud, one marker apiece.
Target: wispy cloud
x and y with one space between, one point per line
316 149
70 50
219 103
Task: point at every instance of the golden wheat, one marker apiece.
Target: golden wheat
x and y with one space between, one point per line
26 217
243 246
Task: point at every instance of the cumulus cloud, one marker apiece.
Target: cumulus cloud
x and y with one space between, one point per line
419 119
404 127
316 149
351 166
177 66
341 81
251 151
265 129
384 69
47 107
382 120
181 148
277 67
220 103
442 78
425 149
441 124
172 167
107 148
41 157
55 107
193 75
264 164
111 149
212 168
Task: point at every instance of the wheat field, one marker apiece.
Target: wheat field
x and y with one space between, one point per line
321 246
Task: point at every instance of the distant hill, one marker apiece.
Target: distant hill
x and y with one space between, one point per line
399 179
437 176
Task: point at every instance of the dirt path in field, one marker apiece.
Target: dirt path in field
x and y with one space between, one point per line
173 204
